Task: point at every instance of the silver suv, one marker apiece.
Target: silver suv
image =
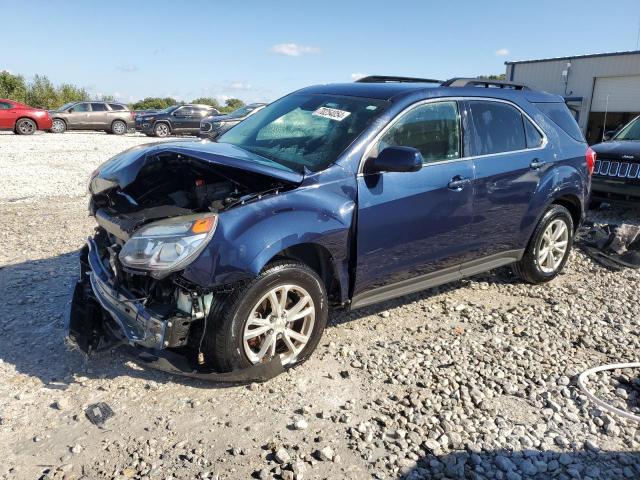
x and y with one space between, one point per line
111 117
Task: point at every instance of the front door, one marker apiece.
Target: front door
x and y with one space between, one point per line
412 228
8 115
509 154
78 116
182 118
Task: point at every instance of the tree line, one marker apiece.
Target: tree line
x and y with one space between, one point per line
42 93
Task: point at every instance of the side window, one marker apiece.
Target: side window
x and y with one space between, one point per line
184 111
115 106
81 107
98 107
432 128
498 128
534 137
5 106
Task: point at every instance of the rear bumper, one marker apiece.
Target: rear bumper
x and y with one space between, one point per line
101 316
615 191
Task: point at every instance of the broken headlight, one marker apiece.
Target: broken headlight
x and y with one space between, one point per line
168 245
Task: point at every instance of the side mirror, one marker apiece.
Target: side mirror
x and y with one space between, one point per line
71 110
396 159
608 136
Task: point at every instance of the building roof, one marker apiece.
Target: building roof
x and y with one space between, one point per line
573 57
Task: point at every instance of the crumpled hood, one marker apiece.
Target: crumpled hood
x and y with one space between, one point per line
628 150
122 169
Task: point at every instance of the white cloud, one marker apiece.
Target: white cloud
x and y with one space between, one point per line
127 68
239 86
293 49
503 52
358 76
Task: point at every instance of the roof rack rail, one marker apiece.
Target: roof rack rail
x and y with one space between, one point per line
483 82
389 79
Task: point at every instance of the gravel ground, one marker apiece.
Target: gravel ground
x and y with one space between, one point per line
475 379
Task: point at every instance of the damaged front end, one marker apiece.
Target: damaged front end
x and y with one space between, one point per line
157 211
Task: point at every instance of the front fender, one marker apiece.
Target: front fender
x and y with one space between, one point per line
247 237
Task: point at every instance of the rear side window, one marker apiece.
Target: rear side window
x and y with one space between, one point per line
98 107
5 106
534 137
498 128
115 106
560 115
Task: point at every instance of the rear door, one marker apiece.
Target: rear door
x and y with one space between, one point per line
78 116
8 115
414 226
99 116
510 153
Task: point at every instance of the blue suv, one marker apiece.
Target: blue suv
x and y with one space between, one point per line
223 257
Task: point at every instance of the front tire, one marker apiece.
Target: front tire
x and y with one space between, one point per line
25 126
549 247
281 312
161 130
58 126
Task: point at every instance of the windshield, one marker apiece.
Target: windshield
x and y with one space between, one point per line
241 112
305 130
168 109
65 106
631 131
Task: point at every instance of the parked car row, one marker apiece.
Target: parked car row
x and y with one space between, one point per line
117 118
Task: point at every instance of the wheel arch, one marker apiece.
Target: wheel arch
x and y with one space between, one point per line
572 203
166 122
319 259
25 117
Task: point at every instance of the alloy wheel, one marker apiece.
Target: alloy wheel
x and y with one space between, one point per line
553 246
119 128
26 127
162 130
280 323
58 126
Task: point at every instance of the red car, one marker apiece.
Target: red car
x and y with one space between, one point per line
22 119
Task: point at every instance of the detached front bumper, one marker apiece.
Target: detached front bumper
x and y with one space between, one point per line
101 316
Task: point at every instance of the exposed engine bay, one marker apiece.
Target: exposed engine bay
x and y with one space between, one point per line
131 278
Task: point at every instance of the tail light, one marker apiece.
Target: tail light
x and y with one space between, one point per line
591 160
133 114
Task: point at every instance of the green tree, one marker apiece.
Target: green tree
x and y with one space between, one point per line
13 87
232 104
70 93
41 93
208 101
154 102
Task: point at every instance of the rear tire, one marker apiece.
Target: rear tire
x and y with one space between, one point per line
549 247
58 126
118 127
25 126
260 319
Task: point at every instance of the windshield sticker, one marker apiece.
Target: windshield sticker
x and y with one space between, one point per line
331 113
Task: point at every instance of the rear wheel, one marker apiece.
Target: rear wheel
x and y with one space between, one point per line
58 126
161 130
118 127
549 247
281 312
25 126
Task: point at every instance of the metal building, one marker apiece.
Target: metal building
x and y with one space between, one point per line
598 88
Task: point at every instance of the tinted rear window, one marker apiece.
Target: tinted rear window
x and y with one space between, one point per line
498 128
560 115
98 107
115 106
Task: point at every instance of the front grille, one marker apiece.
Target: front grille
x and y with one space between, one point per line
612 168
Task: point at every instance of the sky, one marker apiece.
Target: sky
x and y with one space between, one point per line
261 50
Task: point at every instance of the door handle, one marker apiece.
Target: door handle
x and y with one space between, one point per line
458 183
536 164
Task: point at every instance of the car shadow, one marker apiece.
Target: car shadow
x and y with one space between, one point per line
524 464
36 295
